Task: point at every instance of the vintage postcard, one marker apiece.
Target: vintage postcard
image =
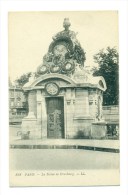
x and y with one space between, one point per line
64 98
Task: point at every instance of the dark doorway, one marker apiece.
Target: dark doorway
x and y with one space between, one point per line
55 117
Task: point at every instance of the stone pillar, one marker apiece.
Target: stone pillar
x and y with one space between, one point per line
44 117
29 123
69 114
32 102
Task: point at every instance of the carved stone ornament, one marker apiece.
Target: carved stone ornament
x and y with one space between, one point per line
68 102
52 89
64 53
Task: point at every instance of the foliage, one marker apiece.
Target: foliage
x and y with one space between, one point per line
23 79
109 68
79 55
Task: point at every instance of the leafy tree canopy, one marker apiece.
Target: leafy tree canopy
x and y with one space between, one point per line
108 61
23 79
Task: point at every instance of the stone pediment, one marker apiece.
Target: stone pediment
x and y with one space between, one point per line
61 80
80 79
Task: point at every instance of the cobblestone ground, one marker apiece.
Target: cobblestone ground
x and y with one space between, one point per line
41 159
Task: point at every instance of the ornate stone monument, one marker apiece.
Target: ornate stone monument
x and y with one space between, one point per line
64 101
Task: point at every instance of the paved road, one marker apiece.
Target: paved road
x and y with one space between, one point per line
55 159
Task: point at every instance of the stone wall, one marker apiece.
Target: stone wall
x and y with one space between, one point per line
81 107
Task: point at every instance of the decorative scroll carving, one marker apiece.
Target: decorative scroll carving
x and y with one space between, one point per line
68 102
99 109
64 53
55 123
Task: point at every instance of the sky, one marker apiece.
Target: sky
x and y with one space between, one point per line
30 34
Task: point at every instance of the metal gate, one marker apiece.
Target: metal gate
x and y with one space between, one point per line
55 117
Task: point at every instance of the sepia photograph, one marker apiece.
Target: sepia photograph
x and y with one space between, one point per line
63 98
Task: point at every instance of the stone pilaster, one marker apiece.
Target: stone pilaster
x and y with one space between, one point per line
82 119
86 103
39 111
81 103
39 102
69 113
93 104
44 118
32 102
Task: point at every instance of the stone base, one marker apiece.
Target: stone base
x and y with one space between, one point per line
29 124
82 127
37 131
98 130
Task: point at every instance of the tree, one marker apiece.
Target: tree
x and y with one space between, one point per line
23 79
108 68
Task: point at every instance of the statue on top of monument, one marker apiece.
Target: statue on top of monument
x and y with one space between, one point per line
66 24
64 54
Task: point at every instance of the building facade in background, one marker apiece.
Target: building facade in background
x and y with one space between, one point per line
18 108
